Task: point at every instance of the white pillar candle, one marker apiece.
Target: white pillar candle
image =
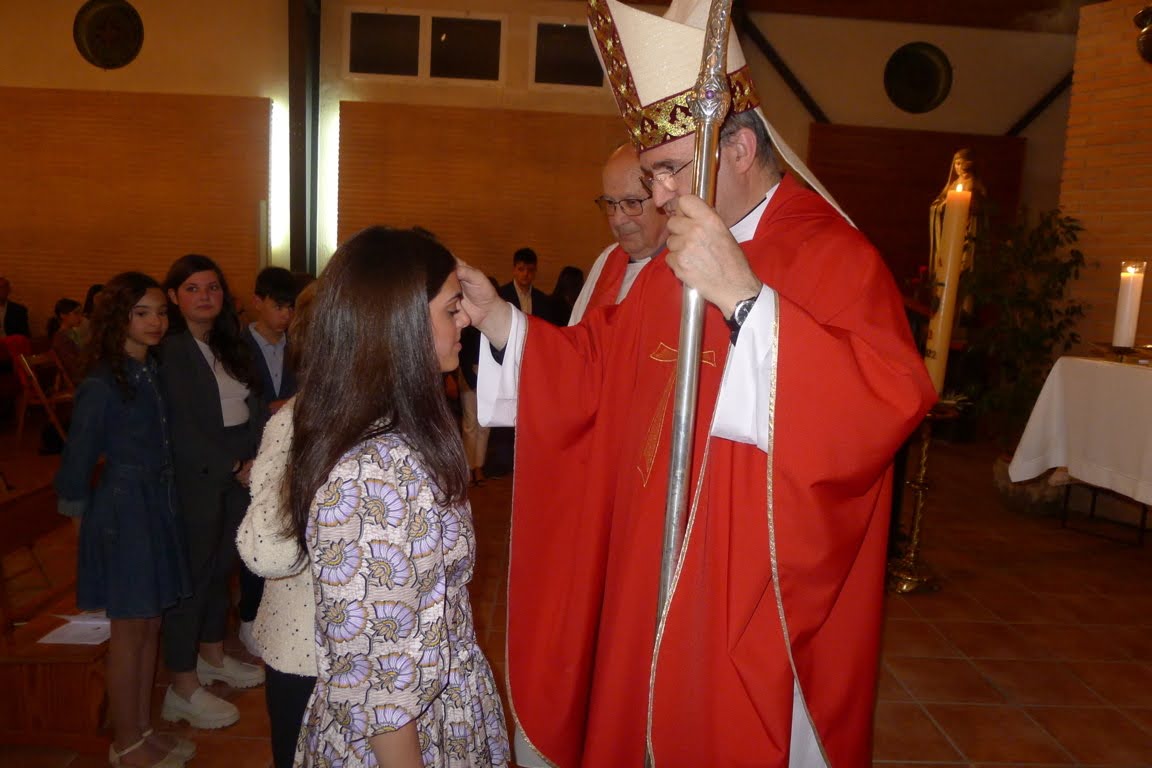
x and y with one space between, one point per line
953 235
1128 303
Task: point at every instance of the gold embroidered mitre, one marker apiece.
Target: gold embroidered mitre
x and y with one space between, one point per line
652 63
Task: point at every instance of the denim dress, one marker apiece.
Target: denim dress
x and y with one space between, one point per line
132 554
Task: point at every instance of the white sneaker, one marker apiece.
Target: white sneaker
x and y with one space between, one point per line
249 640
234 672
203 710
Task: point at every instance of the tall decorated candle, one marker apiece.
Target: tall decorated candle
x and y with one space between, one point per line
949 256
1128 303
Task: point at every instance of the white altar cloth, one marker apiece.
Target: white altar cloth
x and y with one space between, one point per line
1095 418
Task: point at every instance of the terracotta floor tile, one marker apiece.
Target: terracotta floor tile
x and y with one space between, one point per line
904 732
944 680
1022 606
1072 642
899 607
950 605
1057 580
1098 609
233 753
996 734
35 757
1100 736
888 688
1036 682
915 638
1141 716
1125 684
986 640
1134 640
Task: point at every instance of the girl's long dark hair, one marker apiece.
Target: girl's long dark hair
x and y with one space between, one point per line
224 339
111 314
372 367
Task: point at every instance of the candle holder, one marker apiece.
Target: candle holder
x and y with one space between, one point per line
908 573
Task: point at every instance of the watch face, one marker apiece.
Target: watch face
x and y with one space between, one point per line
742 310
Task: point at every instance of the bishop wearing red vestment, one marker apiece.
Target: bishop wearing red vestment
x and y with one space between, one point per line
809 382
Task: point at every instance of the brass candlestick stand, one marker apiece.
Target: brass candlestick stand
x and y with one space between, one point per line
908 573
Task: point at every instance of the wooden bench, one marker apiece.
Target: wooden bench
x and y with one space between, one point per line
53 694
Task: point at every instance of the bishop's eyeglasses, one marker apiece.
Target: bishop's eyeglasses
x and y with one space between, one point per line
663 176
632 206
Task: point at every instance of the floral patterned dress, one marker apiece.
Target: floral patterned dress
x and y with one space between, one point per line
394 634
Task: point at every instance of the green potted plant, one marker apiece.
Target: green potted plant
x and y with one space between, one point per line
1021 318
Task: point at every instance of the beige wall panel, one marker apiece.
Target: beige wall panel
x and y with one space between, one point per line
100 182
485 181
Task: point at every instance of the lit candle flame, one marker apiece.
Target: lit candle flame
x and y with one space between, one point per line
960 187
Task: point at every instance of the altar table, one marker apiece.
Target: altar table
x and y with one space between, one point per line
1095 418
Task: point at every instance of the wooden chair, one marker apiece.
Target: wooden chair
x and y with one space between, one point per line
60 390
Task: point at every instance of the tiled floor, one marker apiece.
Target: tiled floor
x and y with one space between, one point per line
1037 650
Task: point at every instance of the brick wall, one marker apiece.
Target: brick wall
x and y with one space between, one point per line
99 182
1107 181
486 181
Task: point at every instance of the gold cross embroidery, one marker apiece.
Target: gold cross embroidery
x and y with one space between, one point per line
663 354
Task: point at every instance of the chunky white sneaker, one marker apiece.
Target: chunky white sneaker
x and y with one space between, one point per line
203 710
234 673
249 640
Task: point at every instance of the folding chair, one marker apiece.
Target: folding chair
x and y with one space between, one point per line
60 391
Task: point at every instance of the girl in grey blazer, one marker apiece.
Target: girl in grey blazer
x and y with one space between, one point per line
213 402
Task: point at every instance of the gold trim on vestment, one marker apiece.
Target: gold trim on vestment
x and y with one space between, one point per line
663 354
664 610
773 557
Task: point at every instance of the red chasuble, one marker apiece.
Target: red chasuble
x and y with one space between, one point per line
785 551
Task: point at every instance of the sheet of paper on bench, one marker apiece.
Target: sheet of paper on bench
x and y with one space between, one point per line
84 629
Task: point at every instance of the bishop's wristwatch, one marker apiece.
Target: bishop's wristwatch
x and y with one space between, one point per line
739 315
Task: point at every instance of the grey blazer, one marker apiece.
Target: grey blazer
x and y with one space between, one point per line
195 420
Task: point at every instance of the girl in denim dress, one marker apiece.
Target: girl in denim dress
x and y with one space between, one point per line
132 561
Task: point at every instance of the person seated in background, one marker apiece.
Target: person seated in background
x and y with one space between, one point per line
13 316
64 328
564 295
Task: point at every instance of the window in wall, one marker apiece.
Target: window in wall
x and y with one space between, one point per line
384 44
564 56
918 77
465 49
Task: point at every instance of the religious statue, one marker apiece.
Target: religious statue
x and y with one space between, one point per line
956 214
961 178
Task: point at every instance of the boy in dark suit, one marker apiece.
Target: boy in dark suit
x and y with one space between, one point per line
273 306
520 292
